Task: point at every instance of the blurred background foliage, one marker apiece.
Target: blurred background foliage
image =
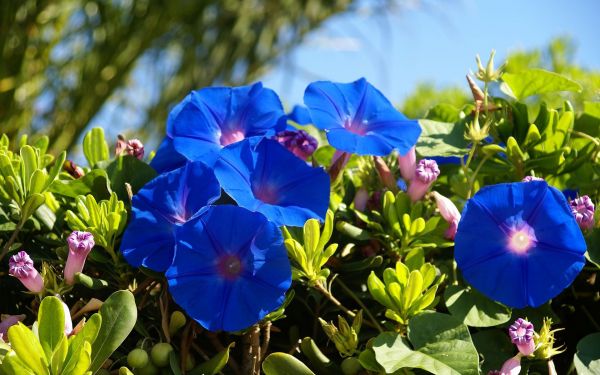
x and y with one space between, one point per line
61 61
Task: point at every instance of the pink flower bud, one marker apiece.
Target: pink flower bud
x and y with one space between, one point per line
299 142
80 245
8 322
531 178
449 212
521 334
385 175
133 147
583 211
426 173
512 366
21 266
360 199
338 162
408 164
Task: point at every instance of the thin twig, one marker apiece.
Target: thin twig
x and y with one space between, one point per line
334 300
266 338
11 240
360 303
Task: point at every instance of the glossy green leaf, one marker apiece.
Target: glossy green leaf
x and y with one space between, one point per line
58 356
119 314
51 318
473 308
88 335
128 169
441 139
12 365
587 358
442 345
95 182
494 347
215 364
28 348
284 364
537 81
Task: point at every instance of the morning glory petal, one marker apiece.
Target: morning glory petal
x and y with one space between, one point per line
159 207
269 179
167 158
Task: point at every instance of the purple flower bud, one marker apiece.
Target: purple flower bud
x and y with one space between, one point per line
583 210
521 334
298 142
80 245
531 178
512 366
408 164
448 211
426 173
8 322
21 266
385 175
73 169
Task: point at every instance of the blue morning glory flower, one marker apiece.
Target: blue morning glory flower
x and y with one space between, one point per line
300 115
230 268
167 158
267 178
159 207
214 117
359 119
519 244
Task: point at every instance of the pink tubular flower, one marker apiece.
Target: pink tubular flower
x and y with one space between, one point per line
21 266
521 334
426 173
80 245
133 147
583 210
73 169
8 322
408 164
298 142
449 212
531 178
512 366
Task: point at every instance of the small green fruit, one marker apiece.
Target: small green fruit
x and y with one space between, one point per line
137 358
160 354
351 366
149 369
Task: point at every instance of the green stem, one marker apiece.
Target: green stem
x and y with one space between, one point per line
474 175
335 301
360 303
12 239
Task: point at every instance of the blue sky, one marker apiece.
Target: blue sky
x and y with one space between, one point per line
432 40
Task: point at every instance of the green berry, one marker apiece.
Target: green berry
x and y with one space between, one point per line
137 358
351 366
160 354
149 369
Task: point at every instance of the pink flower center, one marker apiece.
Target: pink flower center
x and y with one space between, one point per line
230 267
356 128
267 195
521 239
230 137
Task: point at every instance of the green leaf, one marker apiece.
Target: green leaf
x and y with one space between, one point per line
28 348
87 335
128 169
536 81
57 359
215 364
473 308
119 314
12 365
30 164
32 203
443 112
83 360
51 318
587 358
95 147
95 182
442 345
284 364
494 346
441 139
